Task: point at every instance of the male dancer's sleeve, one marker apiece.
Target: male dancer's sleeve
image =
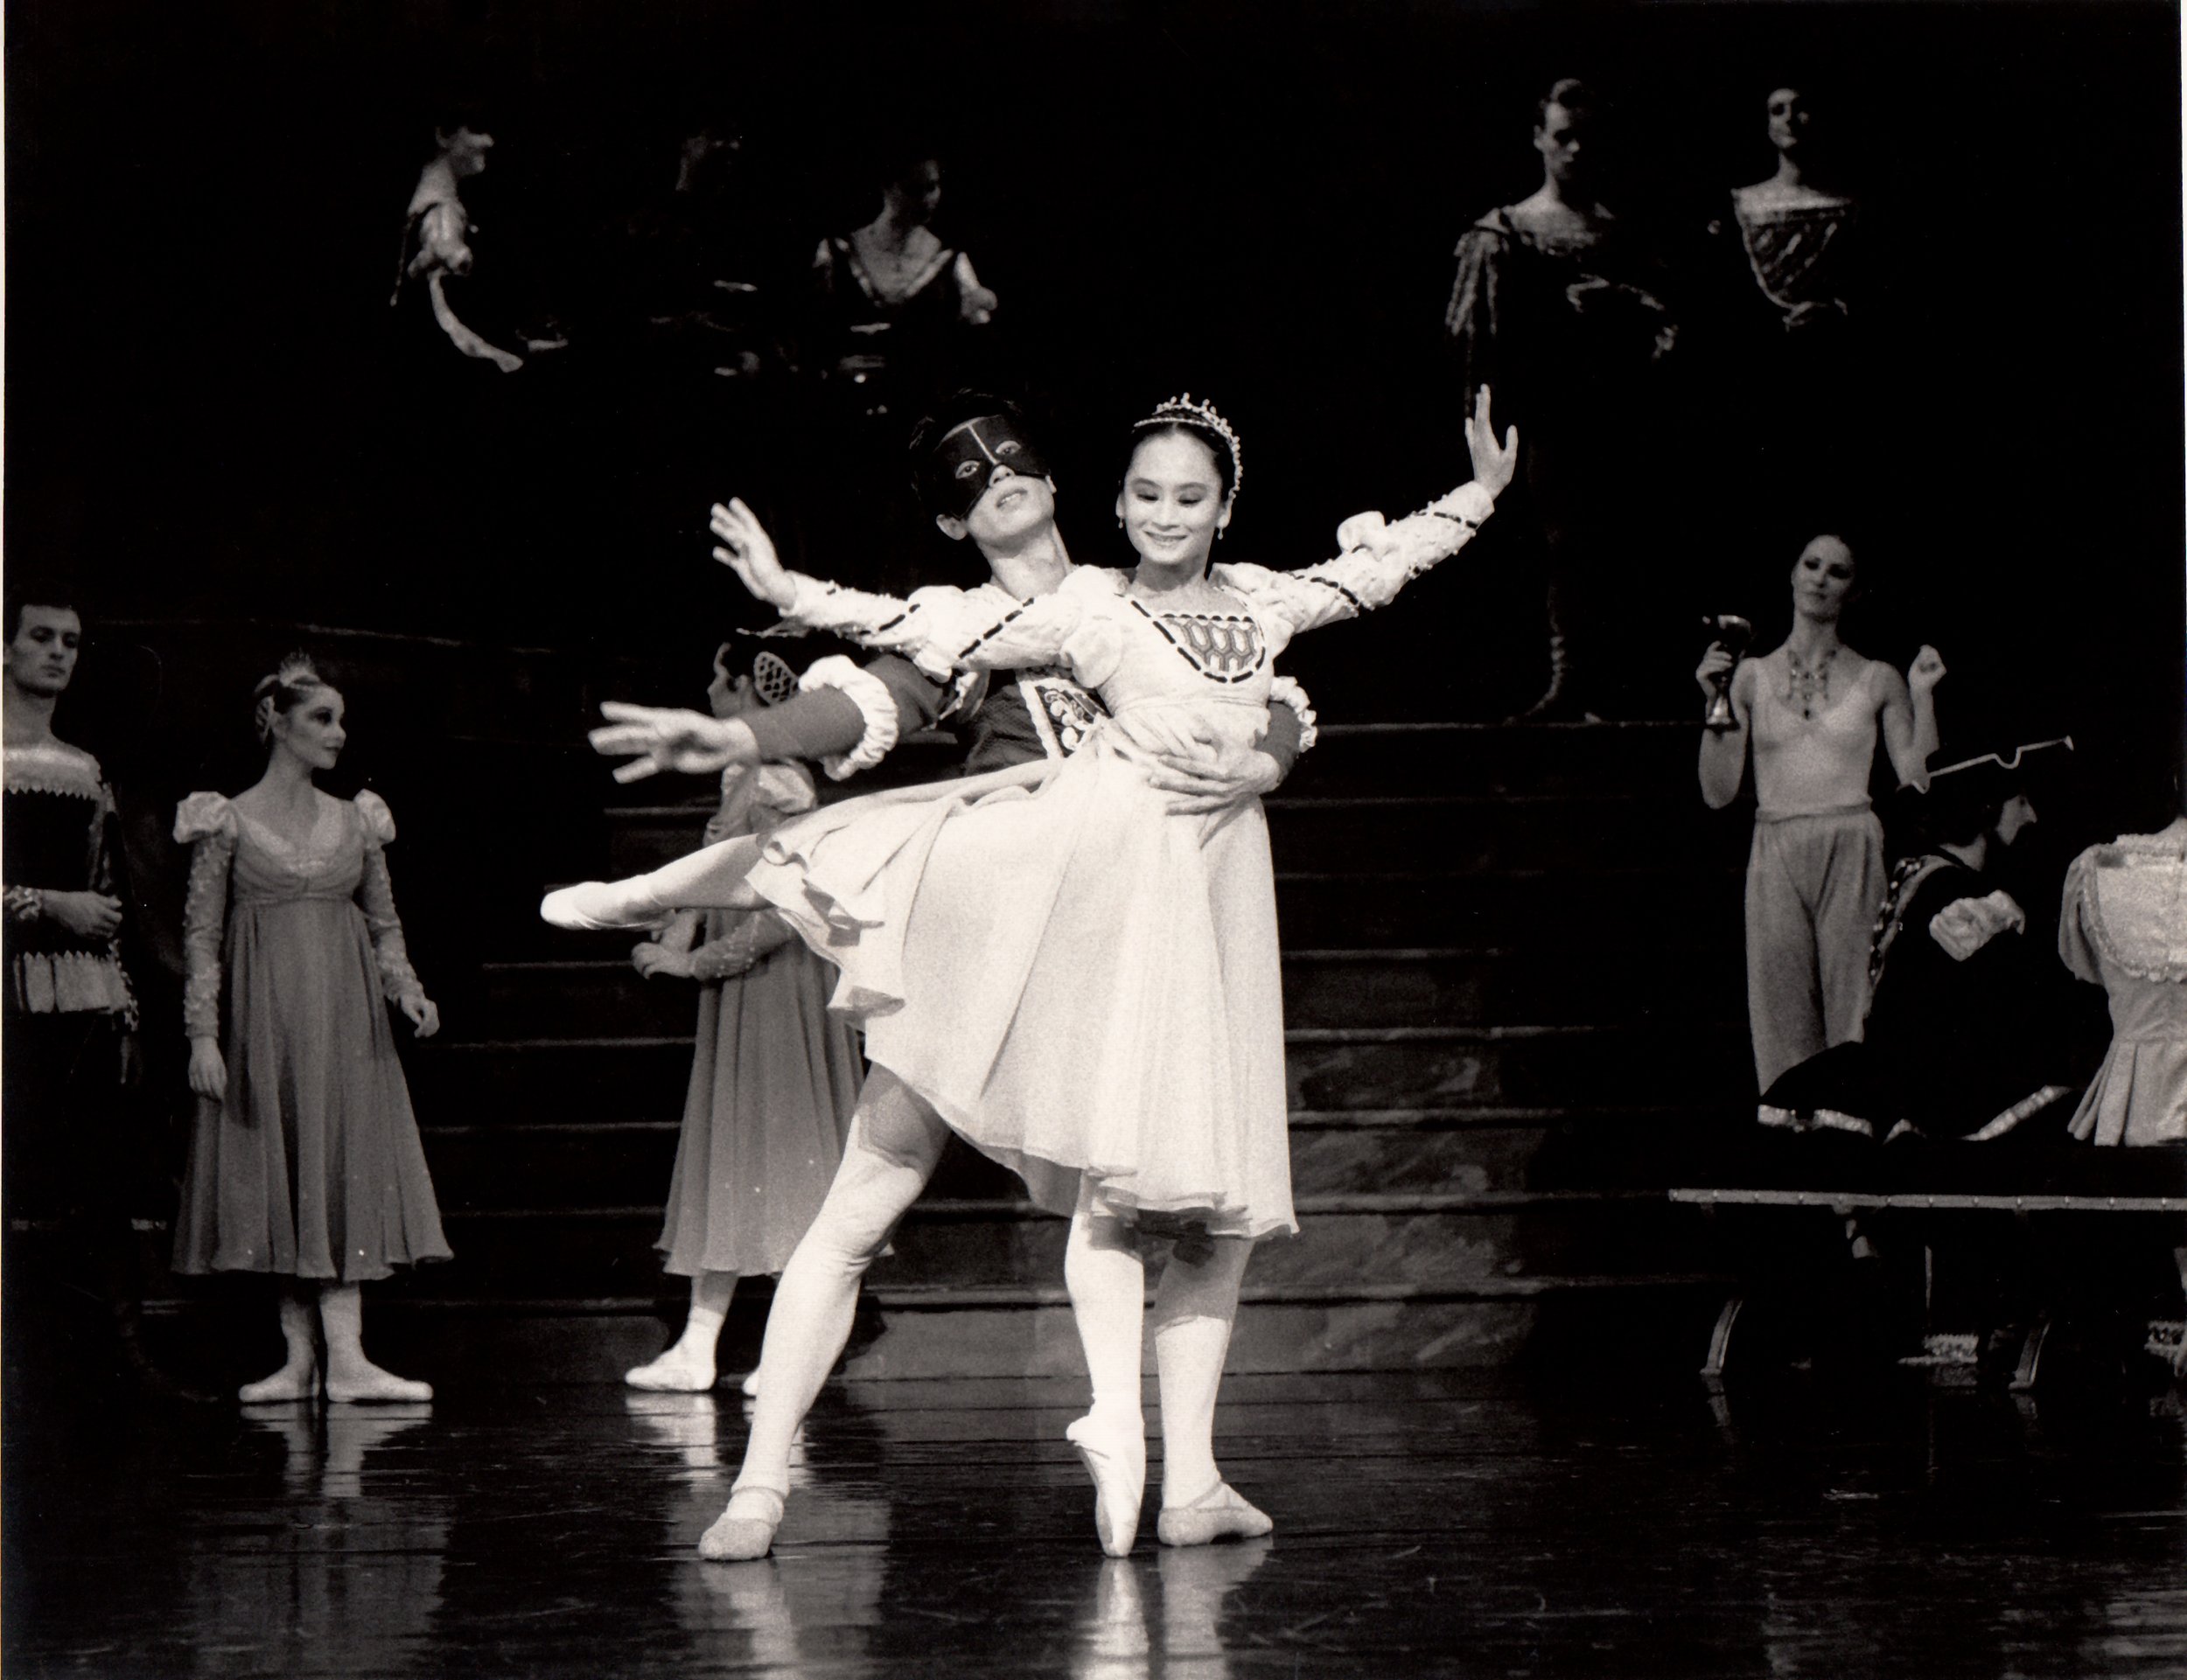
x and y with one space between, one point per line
831 721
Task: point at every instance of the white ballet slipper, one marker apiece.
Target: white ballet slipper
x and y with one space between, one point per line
672 1373
375 1387
739 1536
283 1385
1221 1513
595 905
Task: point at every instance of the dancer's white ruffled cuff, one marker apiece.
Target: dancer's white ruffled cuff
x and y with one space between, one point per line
1286 690
877 705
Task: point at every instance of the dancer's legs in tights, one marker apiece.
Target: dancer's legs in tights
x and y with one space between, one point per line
710 878
336 1310
894 1143
1194 1308
298 1377
1107 1283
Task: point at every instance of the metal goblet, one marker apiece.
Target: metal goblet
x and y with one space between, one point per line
1735 634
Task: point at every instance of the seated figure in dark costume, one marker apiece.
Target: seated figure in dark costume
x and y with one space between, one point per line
1960 1038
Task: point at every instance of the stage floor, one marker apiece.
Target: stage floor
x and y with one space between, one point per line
1424 1525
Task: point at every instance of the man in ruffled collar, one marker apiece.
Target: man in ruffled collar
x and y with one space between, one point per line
70 1011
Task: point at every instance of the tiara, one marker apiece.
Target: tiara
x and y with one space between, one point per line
1183 410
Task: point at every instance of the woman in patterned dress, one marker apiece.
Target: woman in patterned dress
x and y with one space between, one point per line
305 1163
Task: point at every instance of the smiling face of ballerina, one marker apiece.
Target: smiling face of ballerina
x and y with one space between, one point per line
1173 501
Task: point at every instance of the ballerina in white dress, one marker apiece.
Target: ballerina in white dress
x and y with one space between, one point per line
1079 978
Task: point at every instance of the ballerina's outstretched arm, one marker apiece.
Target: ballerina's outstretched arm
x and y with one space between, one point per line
1379 558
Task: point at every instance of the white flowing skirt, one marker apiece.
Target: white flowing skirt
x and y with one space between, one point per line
1082 984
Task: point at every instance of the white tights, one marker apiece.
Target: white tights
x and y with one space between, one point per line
894 1144
1194 1306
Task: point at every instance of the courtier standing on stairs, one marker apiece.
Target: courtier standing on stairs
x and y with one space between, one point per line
1812 710
1559 305
305 1163
1057 962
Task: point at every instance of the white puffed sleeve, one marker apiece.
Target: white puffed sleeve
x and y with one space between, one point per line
202 814
923 628
1075 626
1378 559
379 820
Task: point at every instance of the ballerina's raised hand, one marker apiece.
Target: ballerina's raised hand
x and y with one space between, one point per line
1495 464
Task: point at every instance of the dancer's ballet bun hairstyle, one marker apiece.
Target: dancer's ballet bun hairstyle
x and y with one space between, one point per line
278 692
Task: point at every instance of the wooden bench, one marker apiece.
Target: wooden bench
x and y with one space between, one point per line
1933 1212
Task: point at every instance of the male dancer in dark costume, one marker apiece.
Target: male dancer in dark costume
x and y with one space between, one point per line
72 1165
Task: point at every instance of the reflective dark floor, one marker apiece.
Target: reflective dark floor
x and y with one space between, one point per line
1425 1525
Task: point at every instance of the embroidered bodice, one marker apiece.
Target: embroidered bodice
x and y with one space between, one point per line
60 838
1796 249
242 868
2125 906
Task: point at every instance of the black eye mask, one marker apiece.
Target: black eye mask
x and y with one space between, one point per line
965 461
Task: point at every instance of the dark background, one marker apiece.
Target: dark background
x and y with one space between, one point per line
205 205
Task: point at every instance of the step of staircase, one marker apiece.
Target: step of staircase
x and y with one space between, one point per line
605 997
573 1078
1462 833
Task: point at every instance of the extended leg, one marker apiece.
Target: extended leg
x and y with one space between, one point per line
1107 1282
1193 1310
687 1367
894 1144
298 1377
710 878
350 1376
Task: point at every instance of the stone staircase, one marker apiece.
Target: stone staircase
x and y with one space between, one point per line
1511 987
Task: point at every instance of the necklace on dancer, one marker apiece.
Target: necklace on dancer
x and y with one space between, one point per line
1809 685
